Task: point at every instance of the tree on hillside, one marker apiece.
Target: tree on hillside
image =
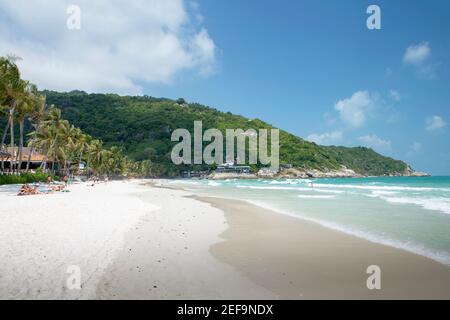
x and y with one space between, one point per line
181 101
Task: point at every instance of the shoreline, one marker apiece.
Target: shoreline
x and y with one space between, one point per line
142 239
358 234
298 259
166 255
437 256
253 176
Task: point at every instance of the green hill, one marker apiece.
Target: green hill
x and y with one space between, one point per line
142 126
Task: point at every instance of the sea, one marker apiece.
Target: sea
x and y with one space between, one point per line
411 213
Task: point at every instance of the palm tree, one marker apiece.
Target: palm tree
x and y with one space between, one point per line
81 146
4 103
105 161
35 118
72 138
12 91
49 136
3 113
24 107
57 138
145 168
114 161
95 154
64 143
5 79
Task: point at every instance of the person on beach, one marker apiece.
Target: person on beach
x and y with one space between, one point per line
27 190
58 188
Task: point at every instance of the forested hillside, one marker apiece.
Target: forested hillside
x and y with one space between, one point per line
142 126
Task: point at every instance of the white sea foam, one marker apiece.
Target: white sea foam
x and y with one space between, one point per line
437 204
432 203
383 193
291 181
309 189
329 191
309 196
387 188
265 188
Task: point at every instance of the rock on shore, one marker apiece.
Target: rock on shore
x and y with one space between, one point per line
303 174
299 173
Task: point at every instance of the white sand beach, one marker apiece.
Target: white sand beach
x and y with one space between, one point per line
165 256
137 240
42 235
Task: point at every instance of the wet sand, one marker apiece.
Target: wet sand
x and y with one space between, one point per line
297 259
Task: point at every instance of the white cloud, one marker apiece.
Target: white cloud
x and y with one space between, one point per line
206 50
434 123
417 54
395 95
354 110
195 8
374 142
120 45
327 138
416 147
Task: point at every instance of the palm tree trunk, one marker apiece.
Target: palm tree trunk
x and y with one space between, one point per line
87 164
5 132
21 124
29 159
11 128
30 155
44 164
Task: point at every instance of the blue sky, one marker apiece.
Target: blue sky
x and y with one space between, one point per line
290 62
310 67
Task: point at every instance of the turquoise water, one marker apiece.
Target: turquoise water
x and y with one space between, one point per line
403 212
